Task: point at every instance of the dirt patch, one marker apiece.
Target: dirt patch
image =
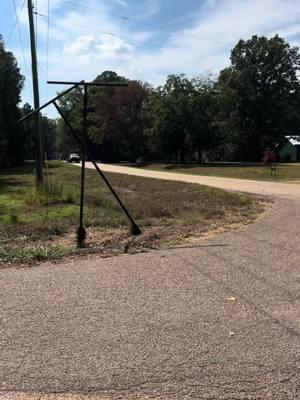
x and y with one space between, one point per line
109 242
169 213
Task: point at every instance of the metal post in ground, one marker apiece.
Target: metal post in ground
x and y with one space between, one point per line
81 233
135 230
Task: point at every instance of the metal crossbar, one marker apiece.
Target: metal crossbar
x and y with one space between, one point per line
81 233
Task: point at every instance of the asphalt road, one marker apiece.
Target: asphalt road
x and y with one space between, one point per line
216 320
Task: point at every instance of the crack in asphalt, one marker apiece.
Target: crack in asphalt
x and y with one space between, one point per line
198 322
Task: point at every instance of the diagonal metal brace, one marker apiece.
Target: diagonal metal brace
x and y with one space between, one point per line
76 85
135 230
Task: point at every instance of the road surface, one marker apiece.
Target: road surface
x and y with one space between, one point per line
216 320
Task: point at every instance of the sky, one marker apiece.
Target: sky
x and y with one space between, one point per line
139 39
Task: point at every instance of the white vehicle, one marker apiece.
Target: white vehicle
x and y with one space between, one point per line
73 157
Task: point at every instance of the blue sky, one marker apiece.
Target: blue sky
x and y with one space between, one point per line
156 37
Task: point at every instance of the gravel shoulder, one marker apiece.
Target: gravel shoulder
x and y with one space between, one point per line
278 189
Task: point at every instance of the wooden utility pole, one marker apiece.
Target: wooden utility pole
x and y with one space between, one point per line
37 125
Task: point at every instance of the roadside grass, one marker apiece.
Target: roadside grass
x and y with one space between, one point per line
40 224
284 172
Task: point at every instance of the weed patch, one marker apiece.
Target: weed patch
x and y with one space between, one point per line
284 172
39 224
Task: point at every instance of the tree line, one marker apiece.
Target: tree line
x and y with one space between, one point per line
17 140
248 108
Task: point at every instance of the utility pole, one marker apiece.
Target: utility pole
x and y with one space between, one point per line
37 125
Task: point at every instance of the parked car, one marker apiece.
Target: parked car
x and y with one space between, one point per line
73 157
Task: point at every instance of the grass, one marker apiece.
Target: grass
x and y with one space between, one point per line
284 172
41 224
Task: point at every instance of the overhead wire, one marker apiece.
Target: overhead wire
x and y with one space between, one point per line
36 22
21 41
94 29
36 13
47 46
136 21
128 39
15 24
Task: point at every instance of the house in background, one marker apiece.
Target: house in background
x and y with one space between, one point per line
289 149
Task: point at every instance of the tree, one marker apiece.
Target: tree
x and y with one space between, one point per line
127 104
11 134
114 127
203 131
49 131
28 129
259 93
103 126
180 118
168 113
71 105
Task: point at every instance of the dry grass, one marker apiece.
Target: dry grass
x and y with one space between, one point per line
284 172
41 225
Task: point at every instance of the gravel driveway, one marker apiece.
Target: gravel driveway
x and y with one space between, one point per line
281 189
216 320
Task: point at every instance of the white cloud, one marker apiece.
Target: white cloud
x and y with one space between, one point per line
80 50
103 46
207 44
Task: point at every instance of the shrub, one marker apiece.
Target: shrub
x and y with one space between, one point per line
53 192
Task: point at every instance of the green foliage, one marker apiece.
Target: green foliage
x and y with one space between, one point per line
49 134
31 231
16 139
11 83
253 104
54 191
115 129
259 94
233 170
31 253
179 116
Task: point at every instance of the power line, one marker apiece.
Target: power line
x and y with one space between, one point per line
15 24
21 42
47 49
136 21
94 29
36 22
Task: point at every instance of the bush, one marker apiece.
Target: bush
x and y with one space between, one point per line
269 157
53 192
287 158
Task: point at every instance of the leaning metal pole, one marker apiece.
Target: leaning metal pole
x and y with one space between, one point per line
36 110
135 230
